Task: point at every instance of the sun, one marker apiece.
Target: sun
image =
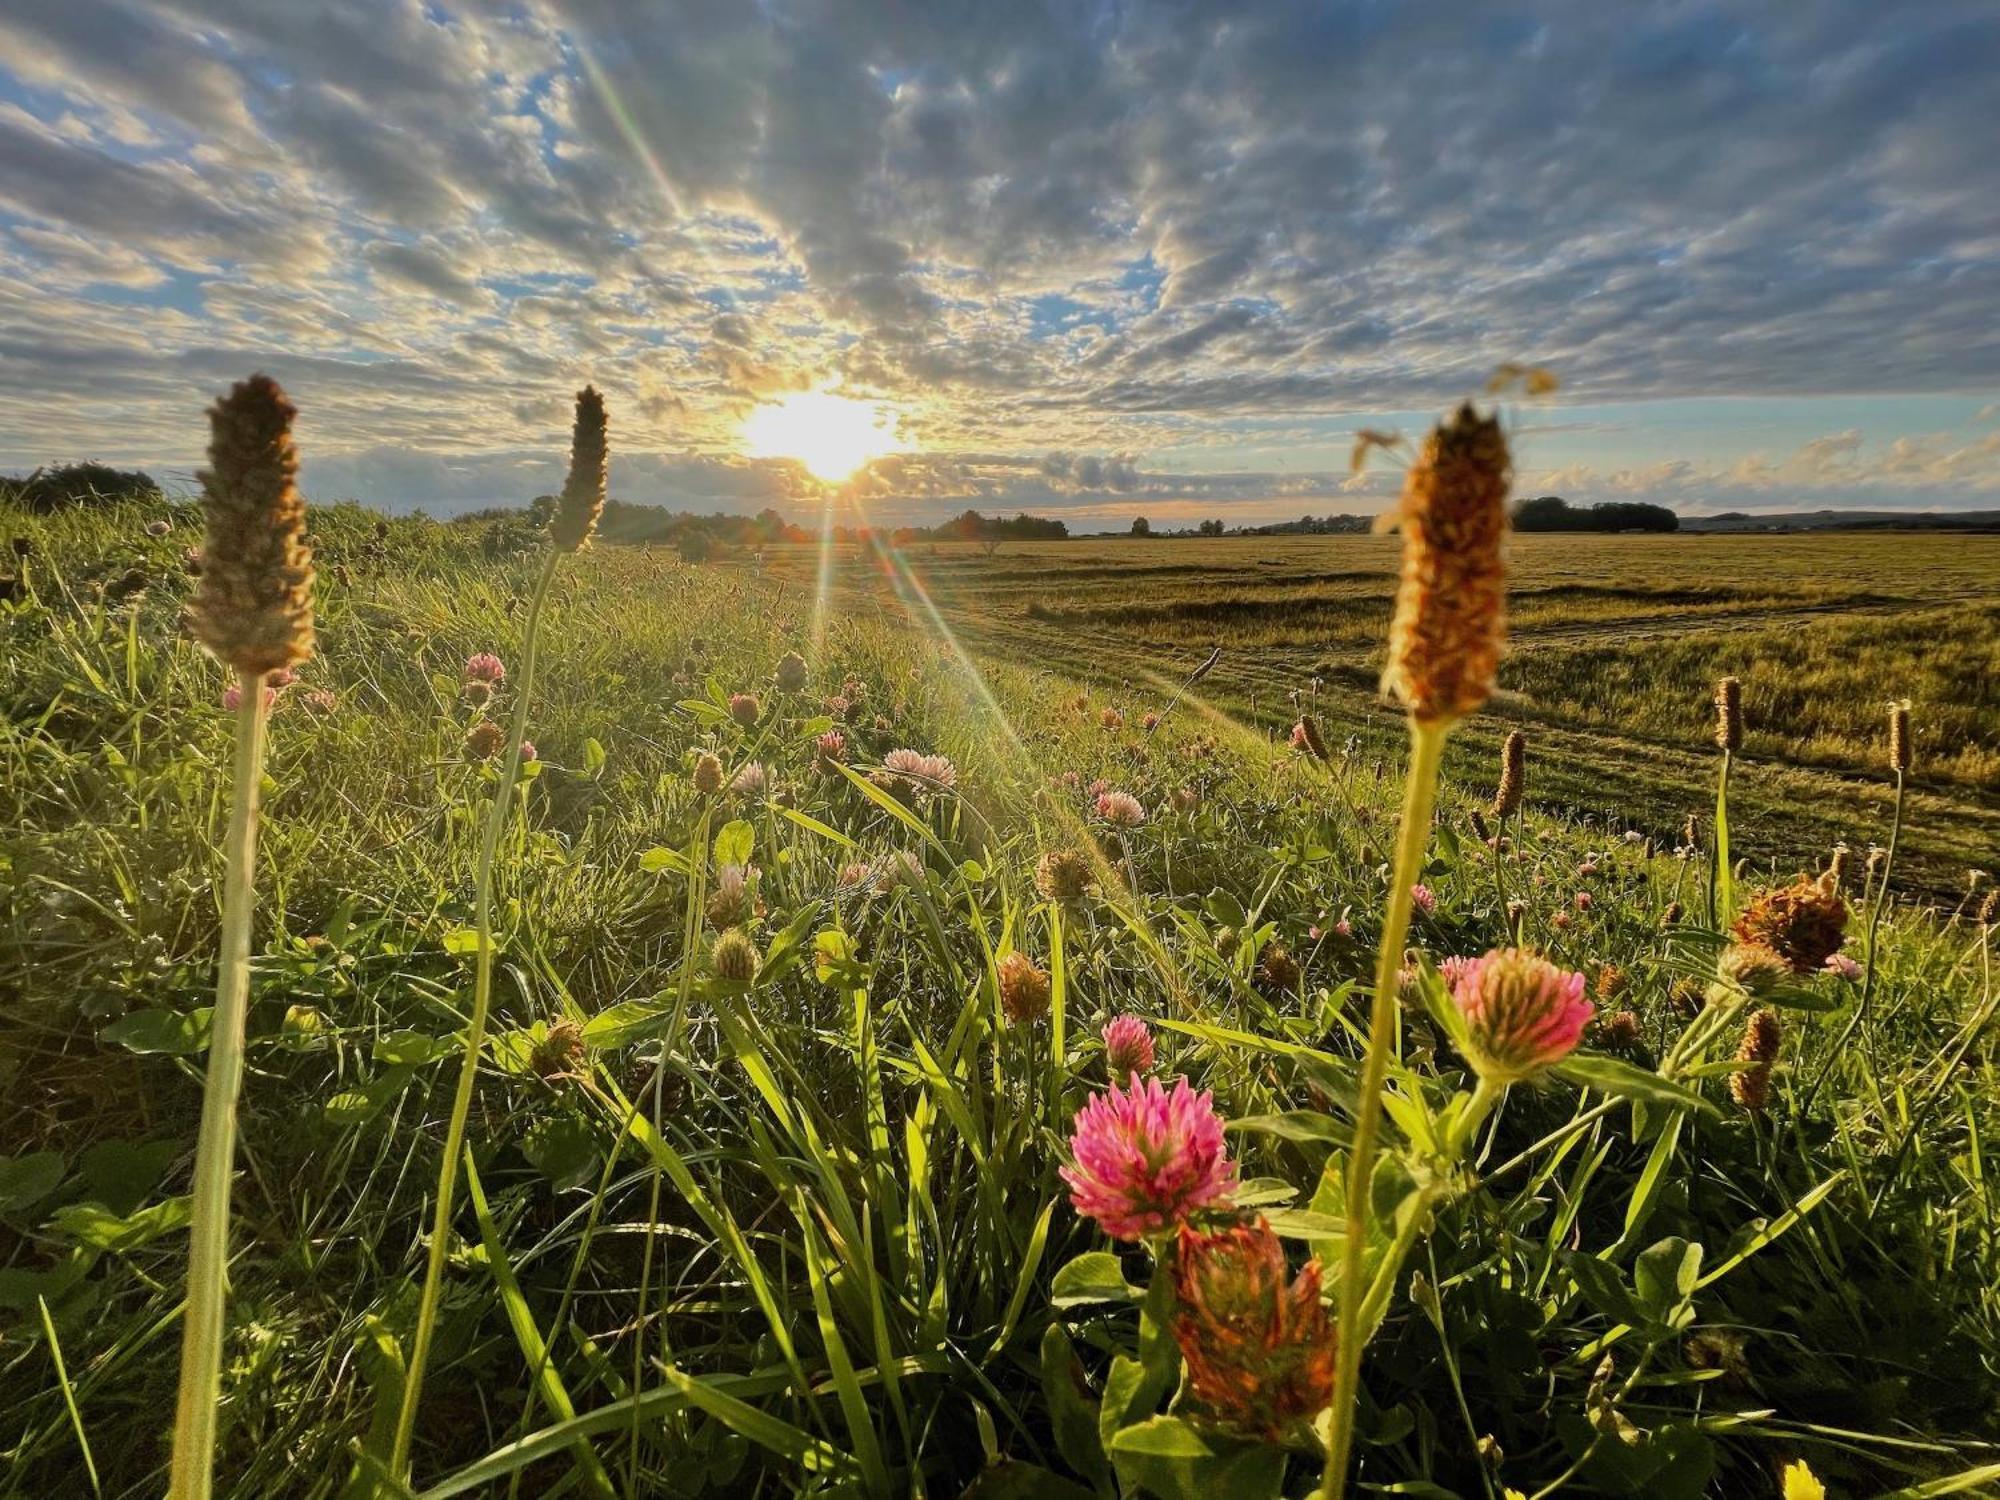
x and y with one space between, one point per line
831 435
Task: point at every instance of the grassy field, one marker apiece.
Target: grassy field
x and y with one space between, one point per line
1616 645
802 1232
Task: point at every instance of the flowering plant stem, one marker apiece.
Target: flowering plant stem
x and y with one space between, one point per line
215 1154
475 1031
1419 793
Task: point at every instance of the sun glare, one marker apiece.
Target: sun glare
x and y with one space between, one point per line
831 435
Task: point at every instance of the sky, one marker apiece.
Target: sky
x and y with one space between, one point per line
1094 260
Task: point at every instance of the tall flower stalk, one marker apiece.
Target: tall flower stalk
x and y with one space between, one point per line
1729 740
253 610
1444 656
576 515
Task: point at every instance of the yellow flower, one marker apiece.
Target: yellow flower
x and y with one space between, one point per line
1800 1483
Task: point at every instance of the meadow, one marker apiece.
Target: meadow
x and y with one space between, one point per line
791 1031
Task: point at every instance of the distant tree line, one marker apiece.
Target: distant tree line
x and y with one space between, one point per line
971 526
1553 513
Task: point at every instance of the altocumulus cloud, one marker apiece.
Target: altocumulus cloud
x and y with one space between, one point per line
1101 255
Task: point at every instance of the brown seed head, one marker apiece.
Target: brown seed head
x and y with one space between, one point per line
1762 1036
253 606
1306 733
1620 1030
1990 906
1513 774
1451 604
734 957
1063 876
1729 714
707 775
1899 737
1024 989
582 499
1277 970
558 1054
1752 967
484 740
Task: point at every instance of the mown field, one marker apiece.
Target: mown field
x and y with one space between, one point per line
797 1227
1616 643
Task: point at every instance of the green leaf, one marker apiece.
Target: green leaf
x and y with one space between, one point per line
1665 1275
1610 1076
659 858
1172 1459
1603 1288
96 1226
460 941
26 1180
593 757
734 843
1012 1480
157 1030
1308 1126
413 1047
1072 1414
123 1174
628 1022
1095 1276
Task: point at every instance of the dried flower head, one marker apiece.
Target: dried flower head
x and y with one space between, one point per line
707 774
1899 737
1752 968
560 1053
1522 1013
1611 982
1024 989
1306 737
791 674
484 740
744 709
1673 913
1277 971
1143 1160
1513 775
1729 714
1762 1036
1128 1047
1803 923
253 605
1451 604
1620 1030
1257 1342
734 957
582 498
730 900
1063 876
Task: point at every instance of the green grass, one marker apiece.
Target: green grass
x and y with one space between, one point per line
806 1234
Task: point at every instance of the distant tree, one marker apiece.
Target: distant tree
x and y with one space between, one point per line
1553 513
48 490
1141 526
695 544
1210 528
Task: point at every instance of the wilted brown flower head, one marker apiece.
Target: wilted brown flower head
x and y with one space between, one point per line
1451 604
1804 923
1620 1030
1672 914
582 498
744 709
1306 736
484 740
1024 989
1610 982
707 775
730 901
1513 774
1752 967
558 1054
791 674
1729 714
1762 1036
1277 970
734 957
253 605
1899 737
1063 876
1258 1345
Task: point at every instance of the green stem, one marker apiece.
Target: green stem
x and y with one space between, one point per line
215 1155
1419 793
475 1033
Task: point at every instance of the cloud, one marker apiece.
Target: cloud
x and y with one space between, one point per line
1133 235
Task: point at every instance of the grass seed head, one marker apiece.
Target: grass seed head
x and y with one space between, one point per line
1513 775
253 605
1899 737
1729 714
1451 604
582 498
